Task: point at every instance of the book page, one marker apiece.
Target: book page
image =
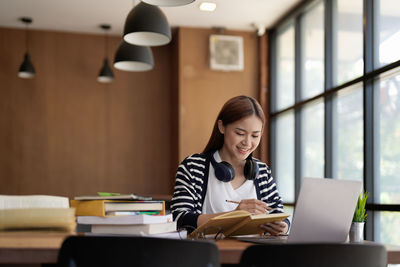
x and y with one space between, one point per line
221 223
252 225
32 201
38 218
235 213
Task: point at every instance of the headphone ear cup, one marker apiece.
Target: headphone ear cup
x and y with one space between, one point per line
250 169
224 171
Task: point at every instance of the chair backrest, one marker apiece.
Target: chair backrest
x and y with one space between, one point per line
79 251
315 255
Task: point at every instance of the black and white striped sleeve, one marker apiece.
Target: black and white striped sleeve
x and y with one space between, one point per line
186 201
269 191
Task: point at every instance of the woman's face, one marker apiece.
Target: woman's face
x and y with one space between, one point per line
241 137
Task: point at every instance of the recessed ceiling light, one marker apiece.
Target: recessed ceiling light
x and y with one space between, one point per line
208 6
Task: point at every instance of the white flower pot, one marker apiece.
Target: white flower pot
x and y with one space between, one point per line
356 234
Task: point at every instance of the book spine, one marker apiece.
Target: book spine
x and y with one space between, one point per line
163 208
89 207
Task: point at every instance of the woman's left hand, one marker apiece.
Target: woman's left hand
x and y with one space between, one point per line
275 228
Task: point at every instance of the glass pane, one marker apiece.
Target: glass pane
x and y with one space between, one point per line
349 44
313 52
285 69
284 173
312 136
349 127
387 228
388 29
388 184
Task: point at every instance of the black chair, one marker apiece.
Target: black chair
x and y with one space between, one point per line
79 251
315 255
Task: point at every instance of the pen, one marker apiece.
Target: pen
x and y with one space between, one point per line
233 201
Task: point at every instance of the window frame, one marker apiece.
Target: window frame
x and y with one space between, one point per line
370 74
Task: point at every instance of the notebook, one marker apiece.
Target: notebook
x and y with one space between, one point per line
323 213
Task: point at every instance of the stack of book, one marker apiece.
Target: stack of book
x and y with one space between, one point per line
123 215
36 212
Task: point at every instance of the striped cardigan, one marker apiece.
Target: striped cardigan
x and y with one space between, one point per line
191 187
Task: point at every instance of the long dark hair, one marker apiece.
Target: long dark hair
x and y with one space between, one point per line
233 110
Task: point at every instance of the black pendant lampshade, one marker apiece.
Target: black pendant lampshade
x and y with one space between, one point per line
147 25
133 57
168 2
26 70
106 74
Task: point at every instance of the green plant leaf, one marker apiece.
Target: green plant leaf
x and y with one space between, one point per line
360 212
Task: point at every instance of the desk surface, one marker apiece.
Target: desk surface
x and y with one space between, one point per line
42 247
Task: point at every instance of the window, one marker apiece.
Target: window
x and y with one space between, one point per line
349 134
337 114
285 68
313 63
388 182
348 40
284 167
312 141
387 227
388 29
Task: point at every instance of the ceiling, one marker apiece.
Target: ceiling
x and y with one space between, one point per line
86 15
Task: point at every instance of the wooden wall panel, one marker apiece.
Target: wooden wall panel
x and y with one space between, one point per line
64 133
203 91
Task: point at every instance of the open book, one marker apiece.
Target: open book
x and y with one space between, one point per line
32 201
61 219
238 222
36 212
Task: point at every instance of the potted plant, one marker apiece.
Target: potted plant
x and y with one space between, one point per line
357 226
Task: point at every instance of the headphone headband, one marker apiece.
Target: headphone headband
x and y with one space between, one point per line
226 173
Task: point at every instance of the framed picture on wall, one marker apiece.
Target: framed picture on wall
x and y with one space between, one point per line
226 53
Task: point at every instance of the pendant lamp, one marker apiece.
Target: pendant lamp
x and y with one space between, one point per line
26 70
147 25
106 74
133 57
168 2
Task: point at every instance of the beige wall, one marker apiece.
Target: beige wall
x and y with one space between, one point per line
203 91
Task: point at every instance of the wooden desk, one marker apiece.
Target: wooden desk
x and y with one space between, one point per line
231 250
30 247
42 247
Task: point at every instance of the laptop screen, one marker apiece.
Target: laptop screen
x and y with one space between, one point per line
324 210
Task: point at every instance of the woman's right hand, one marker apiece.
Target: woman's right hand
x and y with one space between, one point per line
254 206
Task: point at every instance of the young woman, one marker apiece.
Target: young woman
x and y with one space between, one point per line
226 170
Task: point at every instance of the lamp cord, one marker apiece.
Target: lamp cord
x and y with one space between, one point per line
26 38
105 44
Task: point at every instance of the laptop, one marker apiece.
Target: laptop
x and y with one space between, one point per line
323 213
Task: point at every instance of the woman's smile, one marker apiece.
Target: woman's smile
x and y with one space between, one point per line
240 138
243 150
